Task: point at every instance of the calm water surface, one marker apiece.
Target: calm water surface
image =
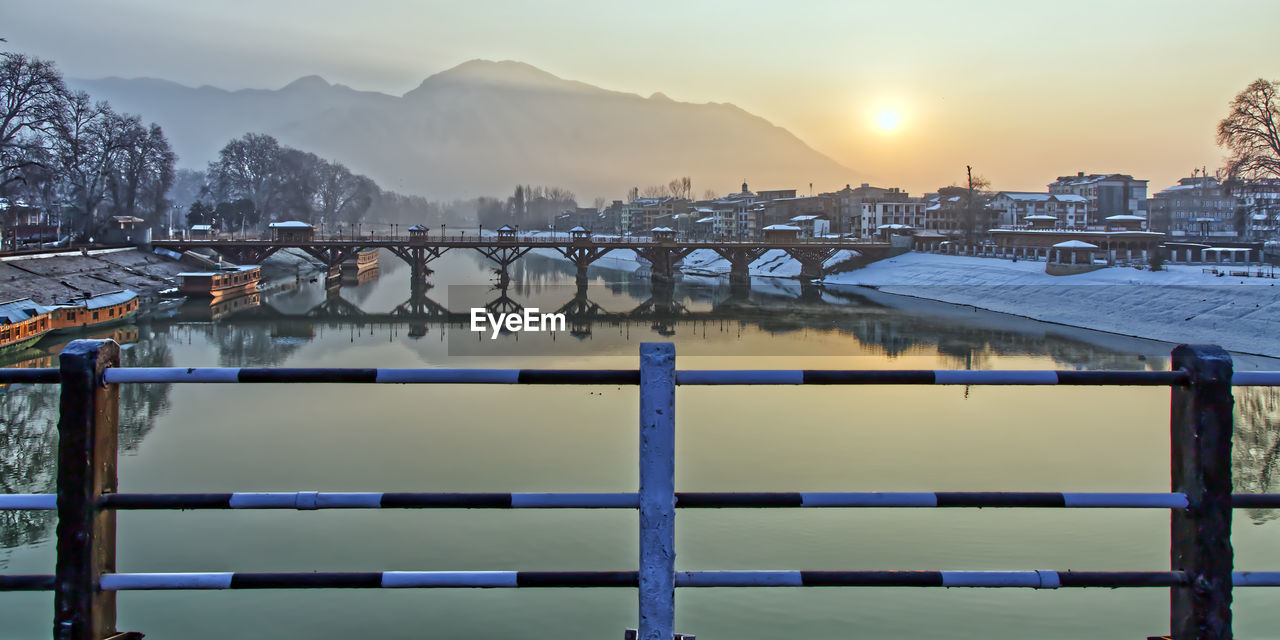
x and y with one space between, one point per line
181 438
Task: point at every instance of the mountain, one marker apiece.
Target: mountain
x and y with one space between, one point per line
482 127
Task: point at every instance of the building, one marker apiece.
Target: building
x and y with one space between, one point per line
1196 207
812 225
1013 207
844 207
1259 203
879 216
1108 194
291 231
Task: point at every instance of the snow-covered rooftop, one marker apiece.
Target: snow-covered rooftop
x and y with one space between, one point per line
290 224
1125 217
781 227
1074 244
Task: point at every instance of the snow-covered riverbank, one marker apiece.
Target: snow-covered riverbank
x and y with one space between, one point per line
1179 304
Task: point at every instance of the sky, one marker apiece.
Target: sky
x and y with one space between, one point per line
1022 91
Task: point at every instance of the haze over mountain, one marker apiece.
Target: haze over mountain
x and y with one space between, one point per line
482 127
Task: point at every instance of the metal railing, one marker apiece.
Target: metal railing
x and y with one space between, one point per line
85 582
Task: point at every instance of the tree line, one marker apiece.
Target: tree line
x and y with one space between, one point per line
62 152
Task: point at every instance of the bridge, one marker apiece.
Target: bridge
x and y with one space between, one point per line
581 249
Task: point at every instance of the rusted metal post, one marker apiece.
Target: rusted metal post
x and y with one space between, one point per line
1200 435
657 490
89 413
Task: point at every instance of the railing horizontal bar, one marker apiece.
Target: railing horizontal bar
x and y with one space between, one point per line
308 500
630 377
570 579
26 583
29 502
1256 379
929 377
368 376
30 376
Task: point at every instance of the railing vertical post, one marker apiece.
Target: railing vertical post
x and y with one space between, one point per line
1200 434
657 490
89 412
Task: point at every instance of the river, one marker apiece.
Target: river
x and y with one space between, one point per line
193 438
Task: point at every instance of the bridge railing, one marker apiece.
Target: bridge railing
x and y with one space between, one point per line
85 581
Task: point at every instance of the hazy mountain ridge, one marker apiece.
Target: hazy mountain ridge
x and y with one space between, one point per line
481 127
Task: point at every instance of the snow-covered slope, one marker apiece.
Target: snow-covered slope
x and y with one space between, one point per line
1182 304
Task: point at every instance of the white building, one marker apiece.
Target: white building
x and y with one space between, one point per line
1070 210
909 214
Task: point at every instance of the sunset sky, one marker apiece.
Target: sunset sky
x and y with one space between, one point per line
1022 91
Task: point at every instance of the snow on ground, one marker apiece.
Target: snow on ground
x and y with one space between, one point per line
1182 304
1179 304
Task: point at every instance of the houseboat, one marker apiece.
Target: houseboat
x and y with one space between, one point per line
228 281
364 260
91 311
22 324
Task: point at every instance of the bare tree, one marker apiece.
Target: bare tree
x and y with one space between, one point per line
31 96
1251 132
710 194
247 167
681 187
599 203
656 191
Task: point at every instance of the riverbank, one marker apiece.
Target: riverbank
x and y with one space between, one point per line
1179 304
56 277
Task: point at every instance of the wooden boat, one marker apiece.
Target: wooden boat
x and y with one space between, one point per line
363 261
92 311
22 324
234 280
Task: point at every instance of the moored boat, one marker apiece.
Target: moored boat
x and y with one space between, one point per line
92 311
233 280
22 324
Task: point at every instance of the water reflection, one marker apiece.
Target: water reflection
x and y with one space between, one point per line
29 424
269 329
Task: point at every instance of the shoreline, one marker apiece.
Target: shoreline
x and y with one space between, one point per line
1180 304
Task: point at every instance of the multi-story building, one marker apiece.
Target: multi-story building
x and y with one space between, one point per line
878 216
1197 207
1069 210
1259 202
844 207
1108 194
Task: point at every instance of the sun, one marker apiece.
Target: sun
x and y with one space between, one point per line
888 120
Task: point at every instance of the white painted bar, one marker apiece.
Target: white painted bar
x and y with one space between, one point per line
443 579
872 499
991 579
764 376
264 500
1125 500
146 581
121 375
945 376
739 579
352 500
575 500
657 491
28 501
457 376
1256 378
1256 579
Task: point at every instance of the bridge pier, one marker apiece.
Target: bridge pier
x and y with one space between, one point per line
582 256
418 255
504 256
662 260
811 261
740 259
